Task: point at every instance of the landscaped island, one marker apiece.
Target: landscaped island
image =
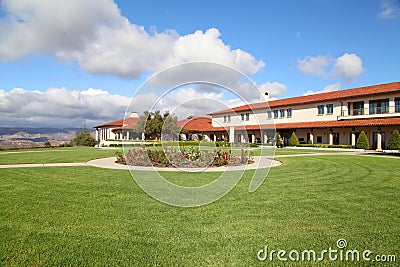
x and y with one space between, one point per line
184 157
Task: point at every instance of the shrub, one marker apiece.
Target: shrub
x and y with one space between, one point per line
120 158
394 141
294 141
310 142
47 144
362 141
277 140
83 138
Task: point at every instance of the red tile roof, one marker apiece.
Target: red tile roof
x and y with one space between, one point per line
128 122
196 123
336 95
320 124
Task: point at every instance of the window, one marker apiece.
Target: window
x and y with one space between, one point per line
242 116
289 112
229 118
320 109
358 108
379 106
269 114
329 109
276 114
319 139
397 105
282 111
224 118
247 116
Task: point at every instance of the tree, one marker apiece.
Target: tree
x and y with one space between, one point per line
294 141
47 144
83 138
154 124
362 141
277 139
394 141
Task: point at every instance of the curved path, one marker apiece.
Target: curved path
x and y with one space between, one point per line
259 162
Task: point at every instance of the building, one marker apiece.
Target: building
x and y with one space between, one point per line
335 118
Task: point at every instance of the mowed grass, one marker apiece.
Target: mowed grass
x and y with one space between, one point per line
54 155
84 216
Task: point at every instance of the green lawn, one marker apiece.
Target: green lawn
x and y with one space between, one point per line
54 155
74 216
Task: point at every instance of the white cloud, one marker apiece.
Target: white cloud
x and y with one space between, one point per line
346 67
328 88
390 9
94 34
314 65
274 89
59 107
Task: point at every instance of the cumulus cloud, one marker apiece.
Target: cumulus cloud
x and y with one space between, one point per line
390 9
328 88
94 34
59 107
274 89
346 67
314 65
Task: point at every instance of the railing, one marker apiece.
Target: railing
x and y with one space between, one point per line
356 112
378 110
397 108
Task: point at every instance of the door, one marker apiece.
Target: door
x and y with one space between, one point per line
336 138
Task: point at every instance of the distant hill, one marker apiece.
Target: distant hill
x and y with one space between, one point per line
34 137
6 130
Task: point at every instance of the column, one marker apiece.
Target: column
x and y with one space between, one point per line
231 134
353 139
379 142
127 135
253 138
391 105
331 138
97 134
265 140
312 138
215 137
143 136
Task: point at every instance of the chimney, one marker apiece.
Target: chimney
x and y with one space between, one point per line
134 115
264 97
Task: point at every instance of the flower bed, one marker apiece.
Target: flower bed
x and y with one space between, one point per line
191 157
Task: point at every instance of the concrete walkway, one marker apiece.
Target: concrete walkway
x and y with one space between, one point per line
259 162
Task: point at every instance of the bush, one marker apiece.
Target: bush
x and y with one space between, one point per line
326 146
278 140
83 138
362 141
47 144
394 141
294 141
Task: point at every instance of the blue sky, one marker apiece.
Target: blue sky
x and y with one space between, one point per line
289 48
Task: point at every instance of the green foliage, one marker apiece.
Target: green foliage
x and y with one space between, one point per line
155 124
278 140
394 141
326 146
294 141
362 141
83 138
310 142
47 144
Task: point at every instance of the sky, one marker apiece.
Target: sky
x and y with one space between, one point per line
69 63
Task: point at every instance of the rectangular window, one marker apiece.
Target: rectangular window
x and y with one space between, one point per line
358 108
269 114
276 114
321 109
289 112
329 109
229 118
224 118
319 139
242 116
397 105
247 116
282 111
380 106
